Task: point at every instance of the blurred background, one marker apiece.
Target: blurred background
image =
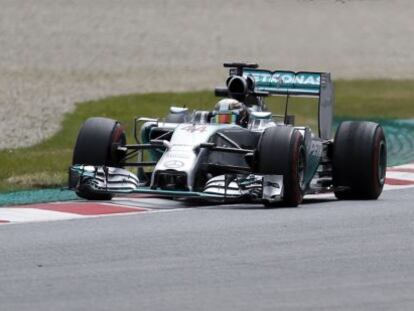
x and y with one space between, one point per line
55 53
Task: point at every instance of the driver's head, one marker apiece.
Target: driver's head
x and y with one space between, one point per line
229 111
228 104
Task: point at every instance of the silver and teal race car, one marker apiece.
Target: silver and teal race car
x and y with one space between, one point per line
238 151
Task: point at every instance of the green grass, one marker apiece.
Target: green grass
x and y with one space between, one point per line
45 164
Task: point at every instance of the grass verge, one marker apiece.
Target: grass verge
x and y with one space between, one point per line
45 165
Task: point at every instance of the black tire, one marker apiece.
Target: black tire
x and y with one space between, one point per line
281 151
95 146
359 160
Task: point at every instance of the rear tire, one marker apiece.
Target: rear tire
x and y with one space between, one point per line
281 151
359 160
95 146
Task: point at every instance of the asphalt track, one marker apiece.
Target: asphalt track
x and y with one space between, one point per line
325 255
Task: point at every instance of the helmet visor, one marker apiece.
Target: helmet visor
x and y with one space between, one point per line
225 118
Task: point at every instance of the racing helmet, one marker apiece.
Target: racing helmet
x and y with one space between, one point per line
229 111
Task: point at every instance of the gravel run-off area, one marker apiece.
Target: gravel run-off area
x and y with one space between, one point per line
55 53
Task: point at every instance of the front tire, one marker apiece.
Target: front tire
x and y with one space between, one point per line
281 151
96 145
359 160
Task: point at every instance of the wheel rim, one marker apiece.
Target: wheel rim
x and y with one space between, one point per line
301 168
118 139
382 162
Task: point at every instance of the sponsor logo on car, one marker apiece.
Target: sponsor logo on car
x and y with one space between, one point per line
173 164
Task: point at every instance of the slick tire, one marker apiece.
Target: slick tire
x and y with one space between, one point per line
96 145
359 160
281 151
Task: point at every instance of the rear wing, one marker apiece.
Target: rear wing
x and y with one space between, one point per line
303 83
285 82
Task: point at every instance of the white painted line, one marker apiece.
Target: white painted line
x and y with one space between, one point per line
401 175
18 214
409 166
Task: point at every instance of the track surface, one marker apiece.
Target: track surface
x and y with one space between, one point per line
325 255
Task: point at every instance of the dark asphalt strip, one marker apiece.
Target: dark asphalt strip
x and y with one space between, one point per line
355 255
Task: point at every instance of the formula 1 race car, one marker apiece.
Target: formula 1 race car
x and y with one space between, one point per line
236 152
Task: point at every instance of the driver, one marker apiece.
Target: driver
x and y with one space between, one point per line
230 111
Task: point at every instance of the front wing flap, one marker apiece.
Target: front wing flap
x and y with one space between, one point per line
103 179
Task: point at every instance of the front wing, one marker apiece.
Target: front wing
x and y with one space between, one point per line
103 179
